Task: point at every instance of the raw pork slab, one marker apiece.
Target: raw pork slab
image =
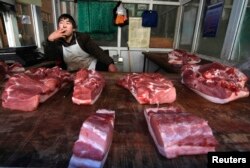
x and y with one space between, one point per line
149 88
177 133
181 57
24 91
88 85
215 82
95 138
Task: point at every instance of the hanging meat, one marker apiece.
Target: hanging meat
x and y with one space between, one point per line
215 82
178 133
149 88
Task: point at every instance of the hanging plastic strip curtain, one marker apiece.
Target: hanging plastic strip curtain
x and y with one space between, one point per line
96 17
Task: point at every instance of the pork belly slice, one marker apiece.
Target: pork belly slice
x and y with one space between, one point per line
215 82
177 133
28 104
88 85
149 88
95 138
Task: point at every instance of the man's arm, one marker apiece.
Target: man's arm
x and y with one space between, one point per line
53 52
94 50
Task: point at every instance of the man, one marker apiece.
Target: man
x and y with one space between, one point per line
73 50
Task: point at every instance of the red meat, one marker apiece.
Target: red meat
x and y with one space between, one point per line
88 85
177 133
215 82
181 57
92 146
149 88
24 91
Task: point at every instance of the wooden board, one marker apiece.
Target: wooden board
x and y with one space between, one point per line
161 60
45 137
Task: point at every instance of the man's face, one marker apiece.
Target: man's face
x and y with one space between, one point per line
65 25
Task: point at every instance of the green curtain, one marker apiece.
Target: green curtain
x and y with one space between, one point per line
96 19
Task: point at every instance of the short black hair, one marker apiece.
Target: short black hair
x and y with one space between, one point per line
67 16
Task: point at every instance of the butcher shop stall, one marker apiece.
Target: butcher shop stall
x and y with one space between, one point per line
123 119
180 97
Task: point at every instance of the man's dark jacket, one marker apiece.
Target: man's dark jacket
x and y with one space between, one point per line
54 51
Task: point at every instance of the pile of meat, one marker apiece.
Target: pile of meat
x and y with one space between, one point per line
95 138
88 85
180 57
149 88
24 91
215 82
177 133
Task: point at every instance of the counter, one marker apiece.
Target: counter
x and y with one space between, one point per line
161 60
45 137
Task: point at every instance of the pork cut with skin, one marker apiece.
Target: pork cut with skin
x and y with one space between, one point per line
91 148
88 85
149 88
215 82
178 133
24 91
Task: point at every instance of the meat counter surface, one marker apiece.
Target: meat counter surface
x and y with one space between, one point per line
45 137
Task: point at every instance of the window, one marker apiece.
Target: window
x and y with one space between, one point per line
212 46
47 17
163 35
188 25
25 24
135 10
241 51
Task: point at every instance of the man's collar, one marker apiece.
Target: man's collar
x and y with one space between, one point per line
72 41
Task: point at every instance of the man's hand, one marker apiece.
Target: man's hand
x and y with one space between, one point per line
112 68
60 33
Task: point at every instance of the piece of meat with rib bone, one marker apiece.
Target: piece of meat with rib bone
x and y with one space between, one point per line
215 82
179 58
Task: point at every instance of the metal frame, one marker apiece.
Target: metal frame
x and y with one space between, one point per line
38 28
120 49
235 21
233 28
197 26
178 27
236 17
12 36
